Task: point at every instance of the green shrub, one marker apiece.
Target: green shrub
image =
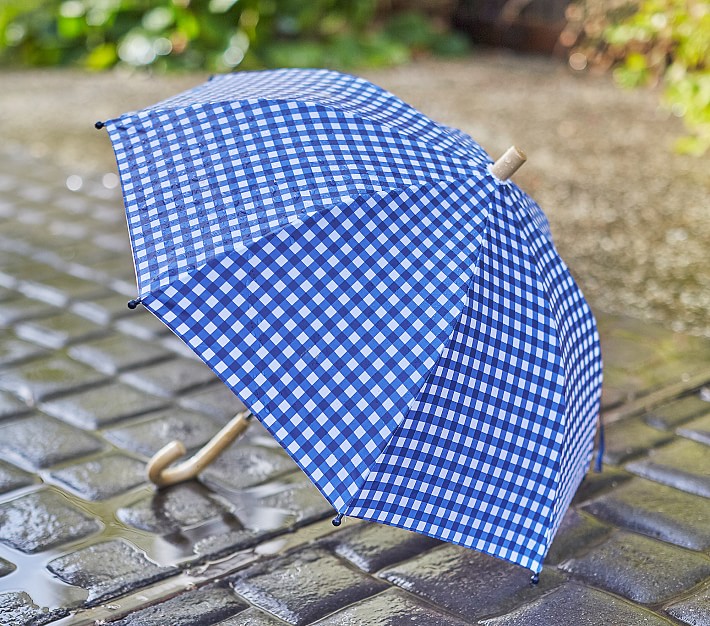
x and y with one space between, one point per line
668 41
215 35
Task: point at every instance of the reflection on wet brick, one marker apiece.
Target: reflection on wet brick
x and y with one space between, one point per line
675 413
577 533
391 608
101 406
13 478
224 543
246 465
42 378
216 401
697 430
373 546
293 495
58 331
170 377
39 441
11 406
17 609
578 606
154 430
251 617
682 464
6 567
639 568
108 569
201 607
13 350
42 520
453 577
305 586
657 511
101 478
694 610
171 509
629 438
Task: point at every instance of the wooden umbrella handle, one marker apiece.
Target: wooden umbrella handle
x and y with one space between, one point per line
159 472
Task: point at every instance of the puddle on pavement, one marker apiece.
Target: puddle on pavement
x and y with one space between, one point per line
250 512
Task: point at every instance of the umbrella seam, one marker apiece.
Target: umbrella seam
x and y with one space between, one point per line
511 190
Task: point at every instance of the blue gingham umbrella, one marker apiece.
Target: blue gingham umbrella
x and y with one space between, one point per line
396 317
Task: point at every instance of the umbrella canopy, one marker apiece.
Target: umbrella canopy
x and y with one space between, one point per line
395 315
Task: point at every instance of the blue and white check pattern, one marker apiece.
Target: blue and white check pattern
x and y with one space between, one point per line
395 316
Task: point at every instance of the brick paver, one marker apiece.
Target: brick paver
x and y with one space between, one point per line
172 510
304 587
12 478
38 441
657 511
470 584
107 569
581 606
391 608
42 520
89 390
150 432
683 464
638 568
694 610
201 607
676 413
372 547
102 477
102 406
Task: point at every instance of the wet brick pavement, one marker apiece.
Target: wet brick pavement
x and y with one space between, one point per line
89 390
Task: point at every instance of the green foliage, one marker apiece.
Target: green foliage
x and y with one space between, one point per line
215 35
668 41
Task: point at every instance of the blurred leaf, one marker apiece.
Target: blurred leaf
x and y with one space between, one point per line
70 27
102 57
669 41
200 34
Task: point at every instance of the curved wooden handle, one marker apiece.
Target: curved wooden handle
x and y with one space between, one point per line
159 472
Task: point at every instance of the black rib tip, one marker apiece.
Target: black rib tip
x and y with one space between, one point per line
337 520
534 579
99 125
132 304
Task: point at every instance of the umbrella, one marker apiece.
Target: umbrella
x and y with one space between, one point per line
388 306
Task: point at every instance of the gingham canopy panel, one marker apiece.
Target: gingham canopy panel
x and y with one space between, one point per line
327 329
477 459
580 353
201 180
340 92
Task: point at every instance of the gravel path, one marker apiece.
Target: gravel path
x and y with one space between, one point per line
630 217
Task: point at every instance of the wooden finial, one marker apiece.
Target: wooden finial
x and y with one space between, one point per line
509 163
